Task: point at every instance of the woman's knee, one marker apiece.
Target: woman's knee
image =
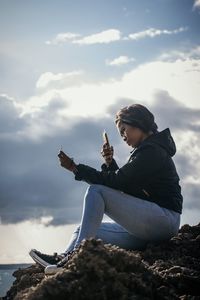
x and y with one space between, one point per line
99 188
94 187
93 190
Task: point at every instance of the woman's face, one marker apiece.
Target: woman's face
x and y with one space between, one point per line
133 136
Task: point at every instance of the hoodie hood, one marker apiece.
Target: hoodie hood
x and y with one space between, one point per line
163 139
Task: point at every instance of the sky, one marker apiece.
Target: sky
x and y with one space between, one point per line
66 68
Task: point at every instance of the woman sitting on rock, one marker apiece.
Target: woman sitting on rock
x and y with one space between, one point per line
143 197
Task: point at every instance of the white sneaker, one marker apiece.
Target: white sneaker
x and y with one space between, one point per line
45 259
53 269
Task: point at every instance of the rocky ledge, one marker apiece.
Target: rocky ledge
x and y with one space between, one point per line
97 271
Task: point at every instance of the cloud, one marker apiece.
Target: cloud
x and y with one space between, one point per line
109 36
193 53
33 185
40 187
196 3
153 32
63 38
185 125
121 60
62 101
70 102
14 236
49 79
164 104
104 37
11 121
192 192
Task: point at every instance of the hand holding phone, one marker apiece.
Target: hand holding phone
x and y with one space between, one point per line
66 161
107 151
105 138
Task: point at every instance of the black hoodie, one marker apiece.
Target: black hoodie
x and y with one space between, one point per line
149 174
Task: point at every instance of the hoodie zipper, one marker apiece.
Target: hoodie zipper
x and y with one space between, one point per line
146 193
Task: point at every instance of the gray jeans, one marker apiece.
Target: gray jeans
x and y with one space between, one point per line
135 221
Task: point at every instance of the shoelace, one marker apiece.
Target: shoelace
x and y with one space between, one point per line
57 257
65 259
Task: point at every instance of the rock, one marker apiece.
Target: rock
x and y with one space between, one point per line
170 270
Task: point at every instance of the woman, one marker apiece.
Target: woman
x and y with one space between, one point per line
143 197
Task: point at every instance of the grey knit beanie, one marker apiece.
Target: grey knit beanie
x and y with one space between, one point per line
138 116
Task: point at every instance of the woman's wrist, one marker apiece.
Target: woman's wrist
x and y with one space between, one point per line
108 162
73 167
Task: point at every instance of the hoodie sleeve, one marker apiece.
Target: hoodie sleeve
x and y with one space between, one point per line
142 166
112 166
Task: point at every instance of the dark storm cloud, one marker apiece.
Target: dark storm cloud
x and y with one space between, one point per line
172 113
114 108
32 182
9 116
185 164
191 193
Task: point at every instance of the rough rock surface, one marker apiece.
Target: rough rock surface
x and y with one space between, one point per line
170 270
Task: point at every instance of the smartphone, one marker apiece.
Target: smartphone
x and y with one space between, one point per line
105 138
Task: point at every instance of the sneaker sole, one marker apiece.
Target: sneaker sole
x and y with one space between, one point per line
52 270
38 259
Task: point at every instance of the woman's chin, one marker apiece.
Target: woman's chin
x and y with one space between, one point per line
129 144
133 145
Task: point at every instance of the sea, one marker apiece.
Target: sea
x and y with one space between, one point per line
6 278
